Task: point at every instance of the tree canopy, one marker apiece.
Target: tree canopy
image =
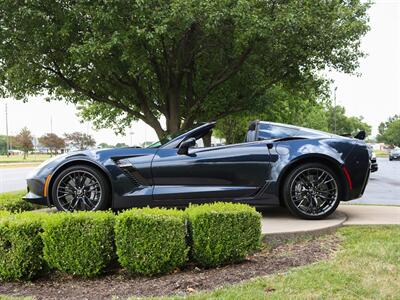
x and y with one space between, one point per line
316 115
80 140
52 141
181 61
389 132
23 140
3 144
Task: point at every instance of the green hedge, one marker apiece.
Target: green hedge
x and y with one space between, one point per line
79 243
223 233
13 202
4 213
151 241
148 241
21 245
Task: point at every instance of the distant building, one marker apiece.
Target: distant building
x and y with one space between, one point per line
380 147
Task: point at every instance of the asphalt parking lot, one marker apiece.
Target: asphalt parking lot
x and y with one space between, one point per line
383 186
13 179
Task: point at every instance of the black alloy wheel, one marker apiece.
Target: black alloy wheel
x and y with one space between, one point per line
80 187
311 191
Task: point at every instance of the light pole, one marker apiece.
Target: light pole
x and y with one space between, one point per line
334 108
7 138
131 134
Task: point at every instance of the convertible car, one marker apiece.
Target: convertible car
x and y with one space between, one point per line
307 171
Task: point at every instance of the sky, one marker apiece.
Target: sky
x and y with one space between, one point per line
375 94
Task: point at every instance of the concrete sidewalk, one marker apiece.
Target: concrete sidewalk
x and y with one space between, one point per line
370 214
278 223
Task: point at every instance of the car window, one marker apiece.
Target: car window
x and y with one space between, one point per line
168 138
215 141
267 132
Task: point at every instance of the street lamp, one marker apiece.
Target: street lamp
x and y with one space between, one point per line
7 138
131 134
334 108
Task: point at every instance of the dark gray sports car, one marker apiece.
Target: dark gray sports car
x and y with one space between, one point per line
306 170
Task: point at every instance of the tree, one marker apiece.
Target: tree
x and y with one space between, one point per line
23 140
183 60
391 132
80 140
345 124
304 107
105 145
316 115
121 145
3 145
384 125
52 141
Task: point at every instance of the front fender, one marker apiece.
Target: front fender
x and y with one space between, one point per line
74 160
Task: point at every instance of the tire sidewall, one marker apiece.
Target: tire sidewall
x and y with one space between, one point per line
104 200
287 184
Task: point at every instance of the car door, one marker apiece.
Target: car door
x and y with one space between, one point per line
211 173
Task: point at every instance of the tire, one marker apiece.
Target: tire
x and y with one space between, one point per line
80 187
312 191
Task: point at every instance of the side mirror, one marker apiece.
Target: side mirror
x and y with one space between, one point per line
185 145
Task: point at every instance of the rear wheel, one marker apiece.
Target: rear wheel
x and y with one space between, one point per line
311 191
80 187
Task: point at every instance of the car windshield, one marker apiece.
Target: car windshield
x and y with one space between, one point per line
170 137
164 140
396 151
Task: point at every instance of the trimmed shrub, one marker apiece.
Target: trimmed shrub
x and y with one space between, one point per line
151 241
13 202
4 213
21 245
79 243
223 233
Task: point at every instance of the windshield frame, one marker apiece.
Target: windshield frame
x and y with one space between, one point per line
177 138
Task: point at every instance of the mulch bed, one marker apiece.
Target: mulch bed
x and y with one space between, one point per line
118 283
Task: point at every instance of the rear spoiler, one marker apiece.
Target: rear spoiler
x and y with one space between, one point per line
359 136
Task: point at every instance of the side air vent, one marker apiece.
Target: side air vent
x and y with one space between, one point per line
129 170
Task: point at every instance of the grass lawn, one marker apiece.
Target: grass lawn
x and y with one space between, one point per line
367 267
19 165
20 158
380 153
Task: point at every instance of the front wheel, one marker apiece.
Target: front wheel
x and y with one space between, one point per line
311 191
80 187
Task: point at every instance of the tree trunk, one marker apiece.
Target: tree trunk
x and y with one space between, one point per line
207 139
173 117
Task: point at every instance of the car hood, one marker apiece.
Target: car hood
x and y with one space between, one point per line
99 156
107 153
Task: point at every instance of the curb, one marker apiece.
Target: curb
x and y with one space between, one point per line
282 237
